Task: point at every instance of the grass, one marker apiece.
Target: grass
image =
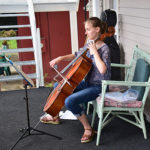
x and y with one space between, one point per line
12 44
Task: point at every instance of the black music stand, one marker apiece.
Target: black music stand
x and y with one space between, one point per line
28 129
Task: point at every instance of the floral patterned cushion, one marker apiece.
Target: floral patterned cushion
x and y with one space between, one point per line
112 103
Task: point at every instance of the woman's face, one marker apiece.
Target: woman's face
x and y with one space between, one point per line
90 31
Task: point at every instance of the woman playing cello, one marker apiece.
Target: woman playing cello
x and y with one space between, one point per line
90 87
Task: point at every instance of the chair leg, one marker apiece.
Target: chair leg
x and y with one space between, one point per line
99 129
93 117
88 108
143 124
136 115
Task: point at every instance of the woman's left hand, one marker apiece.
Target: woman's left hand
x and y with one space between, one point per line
92 47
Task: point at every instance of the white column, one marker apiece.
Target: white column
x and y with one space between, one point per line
96 8
106 4
74 31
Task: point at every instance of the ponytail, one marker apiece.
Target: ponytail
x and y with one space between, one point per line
103 27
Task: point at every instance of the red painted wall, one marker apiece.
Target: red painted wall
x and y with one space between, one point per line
55 36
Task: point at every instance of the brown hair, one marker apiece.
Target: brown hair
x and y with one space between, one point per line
96 22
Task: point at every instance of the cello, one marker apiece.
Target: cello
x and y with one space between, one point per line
80 66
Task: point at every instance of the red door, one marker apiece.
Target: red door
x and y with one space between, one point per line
55 37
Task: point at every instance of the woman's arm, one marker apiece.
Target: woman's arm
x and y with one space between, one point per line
61 58
98 61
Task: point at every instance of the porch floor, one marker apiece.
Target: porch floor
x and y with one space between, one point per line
118 135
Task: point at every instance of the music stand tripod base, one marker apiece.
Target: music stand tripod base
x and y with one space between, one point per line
28 82
29 128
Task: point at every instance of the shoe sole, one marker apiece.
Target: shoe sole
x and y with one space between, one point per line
91 138
49 122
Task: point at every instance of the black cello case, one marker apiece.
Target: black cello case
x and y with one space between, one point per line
110 17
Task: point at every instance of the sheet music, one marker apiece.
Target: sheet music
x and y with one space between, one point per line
19 70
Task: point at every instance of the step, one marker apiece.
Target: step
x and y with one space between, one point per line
16 77
15 26
16 38
30 49
19 63
13 15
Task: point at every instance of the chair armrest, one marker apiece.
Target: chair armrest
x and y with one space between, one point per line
120 65
124 66
125 83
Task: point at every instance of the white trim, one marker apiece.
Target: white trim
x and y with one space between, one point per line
118 20
40 57
74 31
22 2
34 35
9 6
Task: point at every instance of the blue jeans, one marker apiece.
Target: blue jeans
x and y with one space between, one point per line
83 93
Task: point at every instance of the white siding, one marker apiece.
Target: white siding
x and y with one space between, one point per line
134 29
135 3
134 26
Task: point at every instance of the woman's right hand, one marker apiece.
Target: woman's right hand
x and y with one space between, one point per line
61 58
55 61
